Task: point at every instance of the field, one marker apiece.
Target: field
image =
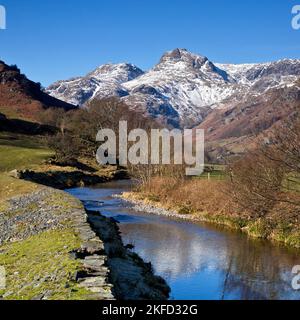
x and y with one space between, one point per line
214 172
20 152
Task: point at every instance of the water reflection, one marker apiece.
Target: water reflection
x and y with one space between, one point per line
199 261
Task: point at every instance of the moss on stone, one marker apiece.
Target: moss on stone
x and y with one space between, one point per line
41 267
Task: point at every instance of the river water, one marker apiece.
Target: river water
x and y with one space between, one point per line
199 261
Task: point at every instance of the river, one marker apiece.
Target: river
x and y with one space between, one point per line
199 261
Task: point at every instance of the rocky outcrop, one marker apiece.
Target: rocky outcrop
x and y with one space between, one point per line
133 279
12 77
23 98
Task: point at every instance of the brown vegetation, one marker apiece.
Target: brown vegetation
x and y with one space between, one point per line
78 128
261 193
237 125
262 178
189 196
21 98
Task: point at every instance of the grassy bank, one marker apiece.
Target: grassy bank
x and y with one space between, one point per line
208 201
40 227
19 152
37 236
40 263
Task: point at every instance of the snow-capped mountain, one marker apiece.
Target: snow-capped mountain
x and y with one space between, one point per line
105 81
182 88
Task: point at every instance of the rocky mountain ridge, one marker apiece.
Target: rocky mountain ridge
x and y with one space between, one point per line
182 89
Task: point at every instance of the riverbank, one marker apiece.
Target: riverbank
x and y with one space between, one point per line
47 245
40 227
198 260
62 177
273 228
133 279
39 234
52 249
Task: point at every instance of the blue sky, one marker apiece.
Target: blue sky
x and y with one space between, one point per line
51 40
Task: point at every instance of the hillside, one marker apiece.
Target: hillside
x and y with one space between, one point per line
22 98
255 114
232 129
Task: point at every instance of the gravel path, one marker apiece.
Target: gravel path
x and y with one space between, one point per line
34 213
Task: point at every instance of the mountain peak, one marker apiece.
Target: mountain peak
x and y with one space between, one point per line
121 70
183 55
175 54
105 81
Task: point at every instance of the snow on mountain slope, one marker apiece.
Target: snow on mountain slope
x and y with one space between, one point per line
185 84
278 72
182 88
105 81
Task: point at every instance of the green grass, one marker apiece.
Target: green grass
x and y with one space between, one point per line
292 183
42 263
10 187
214 172
18 152
215 175
20 140
12 157
21 151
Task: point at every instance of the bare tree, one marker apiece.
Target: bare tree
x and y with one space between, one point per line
259 179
